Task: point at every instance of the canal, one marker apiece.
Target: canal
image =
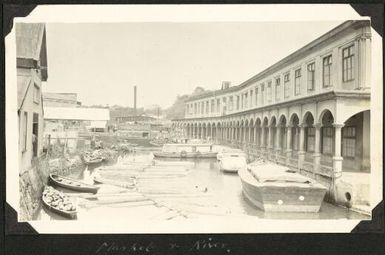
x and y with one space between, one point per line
195 189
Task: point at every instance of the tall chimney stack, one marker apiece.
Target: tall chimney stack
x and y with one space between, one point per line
135 100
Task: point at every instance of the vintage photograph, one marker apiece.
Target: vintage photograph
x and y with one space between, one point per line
180 121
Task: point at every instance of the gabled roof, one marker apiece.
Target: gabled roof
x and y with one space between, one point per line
31 49
29 38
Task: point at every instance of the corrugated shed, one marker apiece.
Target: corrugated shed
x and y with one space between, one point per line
29 38
76 113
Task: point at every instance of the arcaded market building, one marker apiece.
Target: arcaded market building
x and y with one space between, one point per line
311 110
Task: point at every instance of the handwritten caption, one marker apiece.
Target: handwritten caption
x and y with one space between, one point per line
148 248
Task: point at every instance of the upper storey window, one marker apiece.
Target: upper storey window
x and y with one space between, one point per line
218 105
262 93
245 100
212 105
286 85
277 88
237 102
327 71
207 107
256 96
269 91
297 82
310 76
230 103
348 63
251 98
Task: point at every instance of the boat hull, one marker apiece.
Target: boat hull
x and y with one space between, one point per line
82 188
274 197
185 155
70 215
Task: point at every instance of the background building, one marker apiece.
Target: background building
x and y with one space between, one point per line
61 99
32 71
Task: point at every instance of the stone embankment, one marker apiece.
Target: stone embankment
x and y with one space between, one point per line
32 181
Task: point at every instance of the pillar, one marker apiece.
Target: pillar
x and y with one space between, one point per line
288 144
337 158
301 149
317 147
262 140
270 138
277 140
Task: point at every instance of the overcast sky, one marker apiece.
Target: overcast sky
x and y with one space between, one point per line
102 62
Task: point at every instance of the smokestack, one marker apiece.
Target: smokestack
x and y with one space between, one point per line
134 100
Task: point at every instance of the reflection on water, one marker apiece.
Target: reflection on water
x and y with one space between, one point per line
224 192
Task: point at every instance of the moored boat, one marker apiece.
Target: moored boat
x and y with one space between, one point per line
232 162
186 151
229 152
276 188
72 184
59 203
90 160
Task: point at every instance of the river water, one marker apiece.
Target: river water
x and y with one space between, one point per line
205 190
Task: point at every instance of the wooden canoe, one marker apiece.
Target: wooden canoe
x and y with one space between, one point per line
64 213
72 184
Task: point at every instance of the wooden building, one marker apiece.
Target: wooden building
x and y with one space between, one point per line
32 72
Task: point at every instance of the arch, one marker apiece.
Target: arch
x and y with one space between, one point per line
326 118
273 121
294 120
265 122
308 119
282 120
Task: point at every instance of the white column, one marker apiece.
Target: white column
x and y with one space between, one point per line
277 140
262 141
270 138
337 158
317 146
288 144
301 151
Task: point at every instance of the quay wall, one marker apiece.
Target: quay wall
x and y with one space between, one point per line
33 181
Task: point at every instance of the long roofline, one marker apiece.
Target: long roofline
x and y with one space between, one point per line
290 58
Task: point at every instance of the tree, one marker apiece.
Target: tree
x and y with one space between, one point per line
176 111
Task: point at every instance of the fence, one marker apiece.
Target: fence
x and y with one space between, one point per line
61 145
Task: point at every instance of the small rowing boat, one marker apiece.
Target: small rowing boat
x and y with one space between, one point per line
59 203
89 160
72 184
